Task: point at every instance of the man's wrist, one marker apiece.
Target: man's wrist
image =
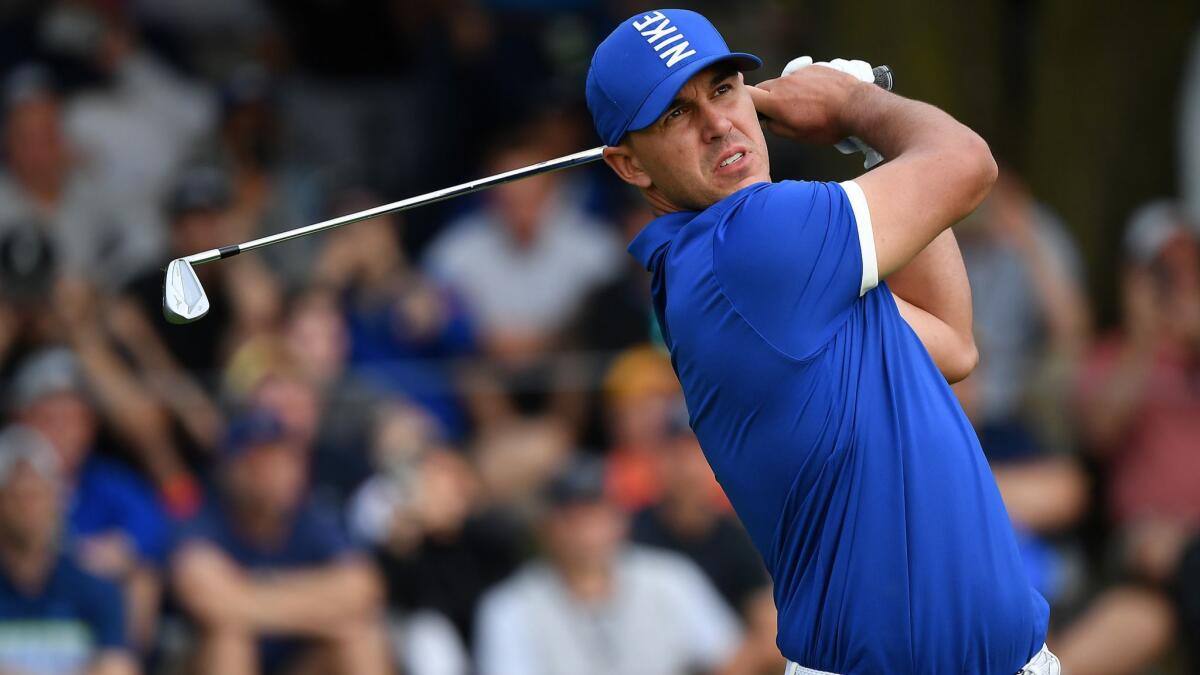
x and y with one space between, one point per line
852 118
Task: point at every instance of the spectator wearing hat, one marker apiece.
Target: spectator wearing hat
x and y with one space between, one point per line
270 580
1139 410
113 520
55 617
592 603
198 209
645 409
182 366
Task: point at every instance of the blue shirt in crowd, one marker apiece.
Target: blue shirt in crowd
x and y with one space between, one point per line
110 498
836 438
314 538
61 627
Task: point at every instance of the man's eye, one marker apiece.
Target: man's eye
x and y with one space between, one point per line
674 113
724 89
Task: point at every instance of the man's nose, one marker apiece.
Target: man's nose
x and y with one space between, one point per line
717 124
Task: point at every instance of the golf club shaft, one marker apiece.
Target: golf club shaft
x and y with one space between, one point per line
404 204
883 78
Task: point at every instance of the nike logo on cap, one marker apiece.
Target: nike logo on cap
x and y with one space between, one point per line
659 33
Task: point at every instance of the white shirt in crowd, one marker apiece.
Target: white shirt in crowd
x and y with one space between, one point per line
664 618
534 287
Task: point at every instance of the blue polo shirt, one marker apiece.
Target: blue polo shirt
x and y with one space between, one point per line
60 627
838 441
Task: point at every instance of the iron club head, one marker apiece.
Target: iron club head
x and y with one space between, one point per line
184 300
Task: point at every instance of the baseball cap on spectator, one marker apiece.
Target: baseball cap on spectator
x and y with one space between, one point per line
581 481
199 188
638 69
1152 228
250 430
638 372
50 371
20 444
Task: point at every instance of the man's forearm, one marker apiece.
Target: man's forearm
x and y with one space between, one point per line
307 602
938 172
313 601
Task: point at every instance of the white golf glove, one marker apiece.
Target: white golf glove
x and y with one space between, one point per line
863 71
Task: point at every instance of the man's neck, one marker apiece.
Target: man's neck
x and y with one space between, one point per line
259 526
690 520
592 584
28 564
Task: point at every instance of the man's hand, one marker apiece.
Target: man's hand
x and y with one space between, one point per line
807 105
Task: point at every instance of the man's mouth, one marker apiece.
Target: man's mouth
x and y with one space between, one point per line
732 159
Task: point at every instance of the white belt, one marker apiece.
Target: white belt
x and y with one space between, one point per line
1043 663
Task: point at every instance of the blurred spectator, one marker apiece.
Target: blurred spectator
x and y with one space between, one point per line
318 338
1140 414
113 520
405 331
136 125
300 376
181 364
1031 326
245 301
271 580
270 192
439 544
594 604
616 315
515 458
610 318
366 90
78 317
44 189
54 617
525 260
643 401
688 520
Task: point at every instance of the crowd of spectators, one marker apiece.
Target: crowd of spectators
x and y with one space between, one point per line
450 442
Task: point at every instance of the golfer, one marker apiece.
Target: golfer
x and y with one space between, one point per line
814 327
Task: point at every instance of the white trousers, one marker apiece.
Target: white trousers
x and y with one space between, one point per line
1043 663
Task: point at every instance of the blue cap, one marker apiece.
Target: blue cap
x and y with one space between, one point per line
637 70
252 429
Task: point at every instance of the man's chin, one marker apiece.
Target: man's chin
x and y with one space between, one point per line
728 187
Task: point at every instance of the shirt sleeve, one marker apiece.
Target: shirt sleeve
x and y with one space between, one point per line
794 258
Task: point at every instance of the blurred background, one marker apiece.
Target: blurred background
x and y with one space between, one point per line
449 442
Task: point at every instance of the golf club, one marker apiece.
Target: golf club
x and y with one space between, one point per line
184 300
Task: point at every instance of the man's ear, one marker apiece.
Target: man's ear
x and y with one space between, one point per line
621 160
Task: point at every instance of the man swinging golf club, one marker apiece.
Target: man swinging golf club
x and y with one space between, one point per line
814 327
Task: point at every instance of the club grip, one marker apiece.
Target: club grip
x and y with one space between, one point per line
884 77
